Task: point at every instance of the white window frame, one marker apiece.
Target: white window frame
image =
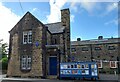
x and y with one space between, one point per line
29 39
26 62
101 66
23 61
115 64
25 33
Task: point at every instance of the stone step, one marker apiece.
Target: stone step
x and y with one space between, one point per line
52 77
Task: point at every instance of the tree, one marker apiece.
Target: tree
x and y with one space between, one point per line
4 63
3 49
3 54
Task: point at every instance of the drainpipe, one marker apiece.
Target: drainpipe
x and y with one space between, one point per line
91 52
59 61
118 65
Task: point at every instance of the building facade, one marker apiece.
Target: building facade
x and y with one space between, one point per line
105 51
35 48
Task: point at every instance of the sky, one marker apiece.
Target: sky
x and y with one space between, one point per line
88 20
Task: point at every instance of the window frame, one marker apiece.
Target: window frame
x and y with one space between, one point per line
98 48
101 64
29 37
26 62
73 49
115 62
85 49
111 47
25 34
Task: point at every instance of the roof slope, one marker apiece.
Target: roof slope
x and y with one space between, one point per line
55 27
27 15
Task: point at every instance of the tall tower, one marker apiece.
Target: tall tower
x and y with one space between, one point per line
65 20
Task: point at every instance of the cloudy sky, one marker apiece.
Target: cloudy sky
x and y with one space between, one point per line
88 19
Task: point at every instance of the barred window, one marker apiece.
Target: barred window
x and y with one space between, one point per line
84 48
113 64
99 64
73 49
111 47
26 62
98 48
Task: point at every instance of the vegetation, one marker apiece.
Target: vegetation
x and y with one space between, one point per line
3 54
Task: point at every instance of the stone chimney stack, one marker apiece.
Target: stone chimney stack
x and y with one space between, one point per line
65 20
78 39
100 37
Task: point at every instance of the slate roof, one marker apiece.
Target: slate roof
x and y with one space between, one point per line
55 27
29 15
96 41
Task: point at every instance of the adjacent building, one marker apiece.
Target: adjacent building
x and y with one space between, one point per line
105 51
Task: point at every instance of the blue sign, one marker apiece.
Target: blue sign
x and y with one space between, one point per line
37 44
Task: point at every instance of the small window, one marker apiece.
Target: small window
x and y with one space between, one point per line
99 64
23 62
27 37
26 62
73 49
111 47
97 48
113 64
84 48
55 41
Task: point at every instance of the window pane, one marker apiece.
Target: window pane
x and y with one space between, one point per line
23 62
84 48
28 62
30 37
97 48
100 64
73 49
111 48
25 39
112 64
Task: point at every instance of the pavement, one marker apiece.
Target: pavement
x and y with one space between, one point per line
103 78
109 77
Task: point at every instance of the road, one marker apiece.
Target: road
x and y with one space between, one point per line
54 81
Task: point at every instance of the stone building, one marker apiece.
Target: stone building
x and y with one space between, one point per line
103 50
35 49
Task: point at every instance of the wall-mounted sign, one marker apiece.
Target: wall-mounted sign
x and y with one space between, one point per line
37 44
